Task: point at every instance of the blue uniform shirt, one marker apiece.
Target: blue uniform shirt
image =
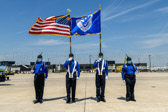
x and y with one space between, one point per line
128 69
71 65
41 68
95 65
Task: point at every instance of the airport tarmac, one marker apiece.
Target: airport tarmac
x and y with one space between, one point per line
151 93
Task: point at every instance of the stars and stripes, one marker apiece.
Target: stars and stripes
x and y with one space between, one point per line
54 25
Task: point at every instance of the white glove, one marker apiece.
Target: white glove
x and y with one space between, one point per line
70 59
123 81
32 71
136 72
100 59
106 77
77 78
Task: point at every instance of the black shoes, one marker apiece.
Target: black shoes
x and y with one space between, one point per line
38 101
103 99
128 99
68 100
35 101
133 100
41 101
98 99
73 101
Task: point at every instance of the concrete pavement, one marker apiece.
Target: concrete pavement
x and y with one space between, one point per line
151 93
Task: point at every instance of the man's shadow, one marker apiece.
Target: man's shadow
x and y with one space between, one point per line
6 84
65 98
58 98
121 98
88 98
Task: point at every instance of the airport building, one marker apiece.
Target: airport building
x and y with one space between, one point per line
7 63
112 66
142 67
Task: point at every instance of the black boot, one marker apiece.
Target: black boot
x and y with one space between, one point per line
41 101
133 100
128 99
103 99
98 99
68 100
73 100
35 101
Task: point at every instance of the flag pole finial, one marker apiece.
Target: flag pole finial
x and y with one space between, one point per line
99 6
69 10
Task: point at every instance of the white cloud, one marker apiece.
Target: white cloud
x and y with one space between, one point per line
155 40
162 10
111 8
51 42
20 32
59 42
128 10
158 35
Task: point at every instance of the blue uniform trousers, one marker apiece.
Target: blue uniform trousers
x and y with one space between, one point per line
39 85
130 84
71 86
100 85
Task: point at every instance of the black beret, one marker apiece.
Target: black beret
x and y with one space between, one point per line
40 56
129 58
71 55
100 54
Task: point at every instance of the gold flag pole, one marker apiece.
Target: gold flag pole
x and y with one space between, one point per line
100 28
69 10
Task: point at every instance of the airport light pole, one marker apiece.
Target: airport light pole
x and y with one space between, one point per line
90 61
150 62
138 61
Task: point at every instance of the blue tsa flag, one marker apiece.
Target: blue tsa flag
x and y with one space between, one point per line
86 25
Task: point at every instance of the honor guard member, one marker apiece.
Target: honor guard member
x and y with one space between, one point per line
73 73
128 77
41 73
101 77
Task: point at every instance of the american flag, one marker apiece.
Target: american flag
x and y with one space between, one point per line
54 25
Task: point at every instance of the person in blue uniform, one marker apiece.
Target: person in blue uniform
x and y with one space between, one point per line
129 78
41 73
3 76
101 77
73 74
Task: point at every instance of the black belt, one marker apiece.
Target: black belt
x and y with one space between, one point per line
40 74
130 75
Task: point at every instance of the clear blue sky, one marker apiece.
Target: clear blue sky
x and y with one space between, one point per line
135 27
